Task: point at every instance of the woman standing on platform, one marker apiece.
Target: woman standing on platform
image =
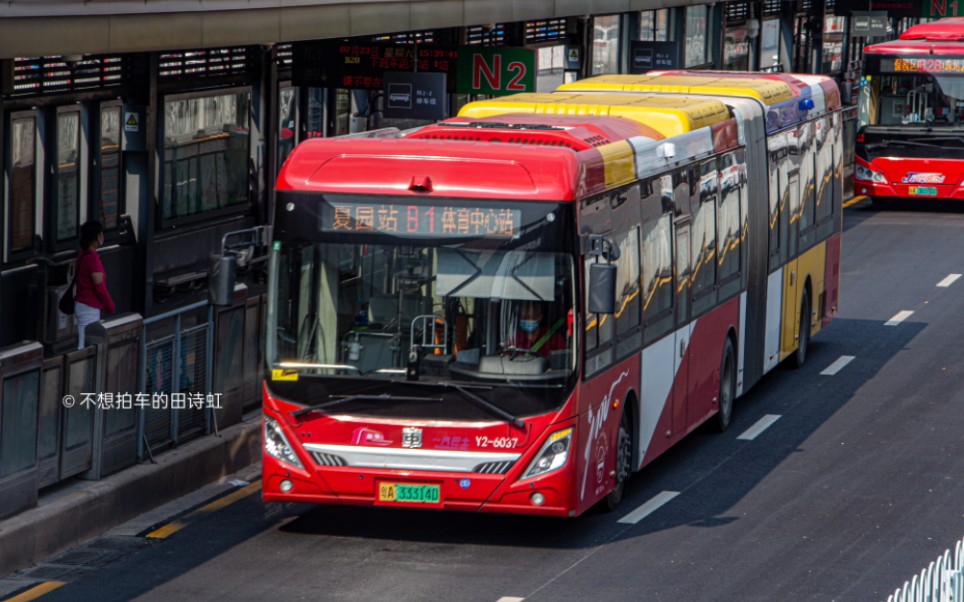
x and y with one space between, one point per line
92 295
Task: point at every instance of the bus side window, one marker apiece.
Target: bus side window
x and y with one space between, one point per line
729 252
628 337
824 166
600 328
808 190
779 198
657 276
703 254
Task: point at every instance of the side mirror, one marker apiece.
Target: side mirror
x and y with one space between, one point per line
602 288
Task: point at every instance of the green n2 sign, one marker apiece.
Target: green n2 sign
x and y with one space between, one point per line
496 71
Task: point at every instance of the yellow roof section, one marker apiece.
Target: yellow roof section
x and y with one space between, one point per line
669 115
767 91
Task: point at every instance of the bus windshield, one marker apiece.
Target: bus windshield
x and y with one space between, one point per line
915 99
410 302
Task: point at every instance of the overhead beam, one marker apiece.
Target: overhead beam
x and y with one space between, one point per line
31 28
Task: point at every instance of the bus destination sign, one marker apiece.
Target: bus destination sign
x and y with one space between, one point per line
421 220
922 65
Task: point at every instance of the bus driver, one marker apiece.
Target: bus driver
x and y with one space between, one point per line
532 336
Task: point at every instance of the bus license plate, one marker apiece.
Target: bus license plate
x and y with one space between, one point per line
409 493
923 191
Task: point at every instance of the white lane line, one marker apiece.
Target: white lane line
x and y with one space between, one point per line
510 599
648 508
949 280
900 317
761 425
838 365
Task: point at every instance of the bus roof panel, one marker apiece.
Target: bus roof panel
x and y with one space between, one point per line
820 88
767 91
950 29
453 169
576 132
669 115
917 48
790 79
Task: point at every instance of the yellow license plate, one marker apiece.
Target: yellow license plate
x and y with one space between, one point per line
409 493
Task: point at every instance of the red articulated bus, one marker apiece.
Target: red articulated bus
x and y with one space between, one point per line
514 313
910 132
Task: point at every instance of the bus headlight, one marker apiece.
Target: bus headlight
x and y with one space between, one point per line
553 454
865 173
276 444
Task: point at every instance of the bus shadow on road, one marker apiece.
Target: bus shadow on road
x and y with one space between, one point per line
918 205
865 210
428 526
713 472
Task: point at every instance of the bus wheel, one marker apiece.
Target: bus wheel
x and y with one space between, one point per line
803 341
624 461
727 387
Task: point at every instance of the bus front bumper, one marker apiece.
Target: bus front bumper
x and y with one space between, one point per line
908 191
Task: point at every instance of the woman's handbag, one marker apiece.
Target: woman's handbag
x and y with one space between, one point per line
66 303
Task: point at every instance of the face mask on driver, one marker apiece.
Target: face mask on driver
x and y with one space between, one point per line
529 326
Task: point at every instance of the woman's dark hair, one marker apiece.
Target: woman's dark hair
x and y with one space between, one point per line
89 232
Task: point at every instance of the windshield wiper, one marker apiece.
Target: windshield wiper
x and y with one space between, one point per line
333 401
482 402
479 401
933 139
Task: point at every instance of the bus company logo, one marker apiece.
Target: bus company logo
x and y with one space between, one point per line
923 178
366 436
602 452
593 441
411 437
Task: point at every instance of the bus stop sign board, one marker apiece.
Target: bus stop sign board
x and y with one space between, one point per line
496 71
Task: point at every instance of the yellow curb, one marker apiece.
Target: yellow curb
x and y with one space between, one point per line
37 591
174 526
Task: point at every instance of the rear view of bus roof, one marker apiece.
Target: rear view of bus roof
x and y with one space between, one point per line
669 115
768 92
575 132
820 88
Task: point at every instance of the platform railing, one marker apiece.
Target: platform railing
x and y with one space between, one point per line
941 581
175 372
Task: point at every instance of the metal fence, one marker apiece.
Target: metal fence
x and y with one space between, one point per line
176 373
941 581
140 386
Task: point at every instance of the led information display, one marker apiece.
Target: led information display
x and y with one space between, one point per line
421 220
922 65
363 65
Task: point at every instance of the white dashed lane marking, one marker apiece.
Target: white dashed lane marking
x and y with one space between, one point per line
900 317
648 508
948 281
838 365
761 425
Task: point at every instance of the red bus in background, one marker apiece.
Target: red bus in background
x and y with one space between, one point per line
910 129
515 313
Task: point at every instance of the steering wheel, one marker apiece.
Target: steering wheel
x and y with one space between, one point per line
516 354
